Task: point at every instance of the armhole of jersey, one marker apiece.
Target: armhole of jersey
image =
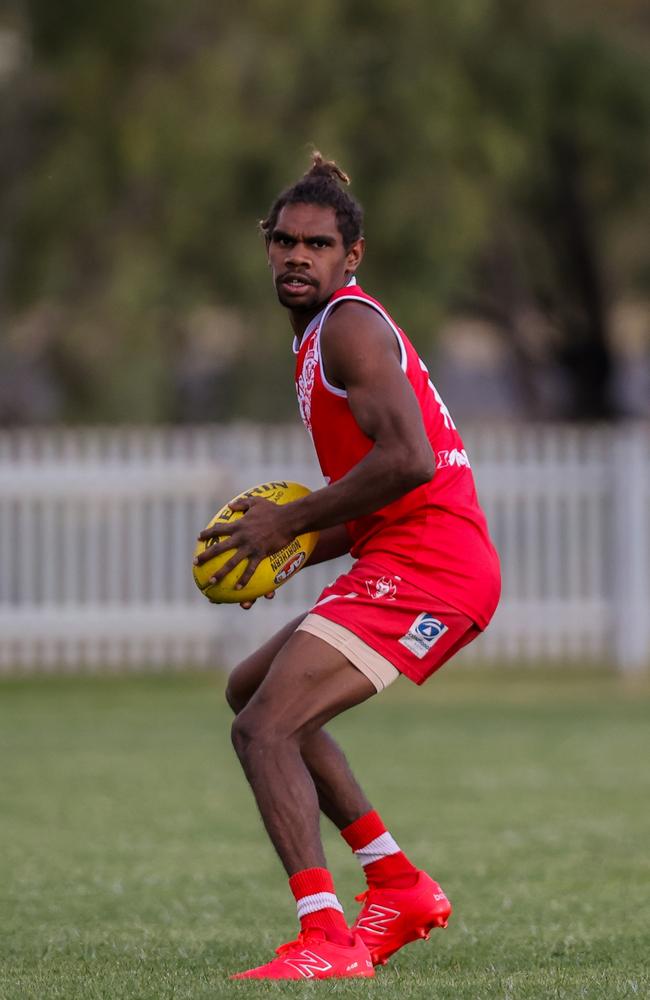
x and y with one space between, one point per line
382 312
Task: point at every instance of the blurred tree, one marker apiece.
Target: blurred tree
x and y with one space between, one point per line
583 113
498 149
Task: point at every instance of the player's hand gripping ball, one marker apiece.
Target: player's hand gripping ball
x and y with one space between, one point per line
272 571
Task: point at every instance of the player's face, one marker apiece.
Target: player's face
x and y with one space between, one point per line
307 257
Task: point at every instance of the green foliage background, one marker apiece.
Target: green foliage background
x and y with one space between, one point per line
499 148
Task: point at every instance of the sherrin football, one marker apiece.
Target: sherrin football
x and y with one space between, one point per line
272 571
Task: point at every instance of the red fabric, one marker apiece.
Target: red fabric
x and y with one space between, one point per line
310 881
392 872
414 631
332 922
437 534
364 830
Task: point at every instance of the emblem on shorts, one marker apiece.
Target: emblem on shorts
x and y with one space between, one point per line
383 586
423 634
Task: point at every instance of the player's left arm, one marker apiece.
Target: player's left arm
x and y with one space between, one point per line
361 355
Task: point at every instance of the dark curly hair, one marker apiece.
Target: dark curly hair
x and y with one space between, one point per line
321 185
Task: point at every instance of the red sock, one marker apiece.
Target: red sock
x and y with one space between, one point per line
385 866
313 890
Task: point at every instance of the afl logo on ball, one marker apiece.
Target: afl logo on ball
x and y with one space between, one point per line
290 567
423 634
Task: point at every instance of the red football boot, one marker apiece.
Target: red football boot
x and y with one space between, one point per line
391 918
312 956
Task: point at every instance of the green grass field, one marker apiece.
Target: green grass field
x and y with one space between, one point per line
133 863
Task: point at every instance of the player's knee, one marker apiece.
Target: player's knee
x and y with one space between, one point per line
235 696
250 729
242 734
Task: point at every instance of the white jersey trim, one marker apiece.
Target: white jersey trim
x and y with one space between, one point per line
382 312
309 329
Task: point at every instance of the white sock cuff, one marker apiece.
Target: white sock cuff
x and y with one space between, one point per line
318 901
381 847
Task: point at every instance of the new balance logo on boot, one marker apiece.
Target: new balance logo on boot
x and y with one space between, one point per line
393 917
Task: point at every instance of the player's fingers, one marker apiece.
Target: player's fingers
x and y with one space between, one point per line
215 532
249 604
232 563
253 562
212 551
240 505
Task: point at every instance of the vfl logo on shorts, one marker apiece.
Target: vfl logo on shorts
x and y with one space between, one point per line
423 634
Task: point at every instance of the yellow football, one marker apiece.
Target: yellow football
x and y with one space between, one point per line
272 571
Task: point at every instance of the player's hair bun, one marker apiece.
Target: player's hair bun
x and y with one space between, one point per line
323 184
320 167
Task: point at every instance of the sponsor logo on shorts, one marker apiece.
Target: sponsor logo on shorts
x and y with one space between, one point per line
290 568
382 587
423 634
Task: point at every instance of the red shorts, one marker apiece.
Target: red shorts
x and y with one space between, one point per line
413 630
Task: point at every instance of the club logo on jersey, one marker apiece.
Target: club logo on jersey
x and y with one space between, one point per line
382 587
305 383
307 963
423 634
376 919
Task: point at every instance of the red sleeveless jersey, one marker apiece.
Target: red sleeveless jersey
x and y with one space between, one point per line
435 536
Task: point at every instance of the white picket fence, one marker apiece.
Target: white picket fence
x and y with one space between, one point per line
97 527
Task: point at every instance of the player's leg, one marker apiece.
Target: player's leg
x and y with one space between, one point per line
247 676
340 796
402 902
410 901
308 683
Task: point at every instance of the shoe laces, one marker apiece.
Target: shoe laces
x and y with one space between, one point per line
304 937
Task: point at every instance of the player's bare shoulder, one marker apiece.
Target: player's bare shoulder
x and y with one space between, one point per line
355 335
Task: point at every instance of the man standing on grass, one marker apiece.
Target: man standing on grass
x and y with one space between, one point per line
400 497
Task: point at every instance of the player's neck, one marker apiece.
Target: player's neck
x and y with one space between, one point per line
301 320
